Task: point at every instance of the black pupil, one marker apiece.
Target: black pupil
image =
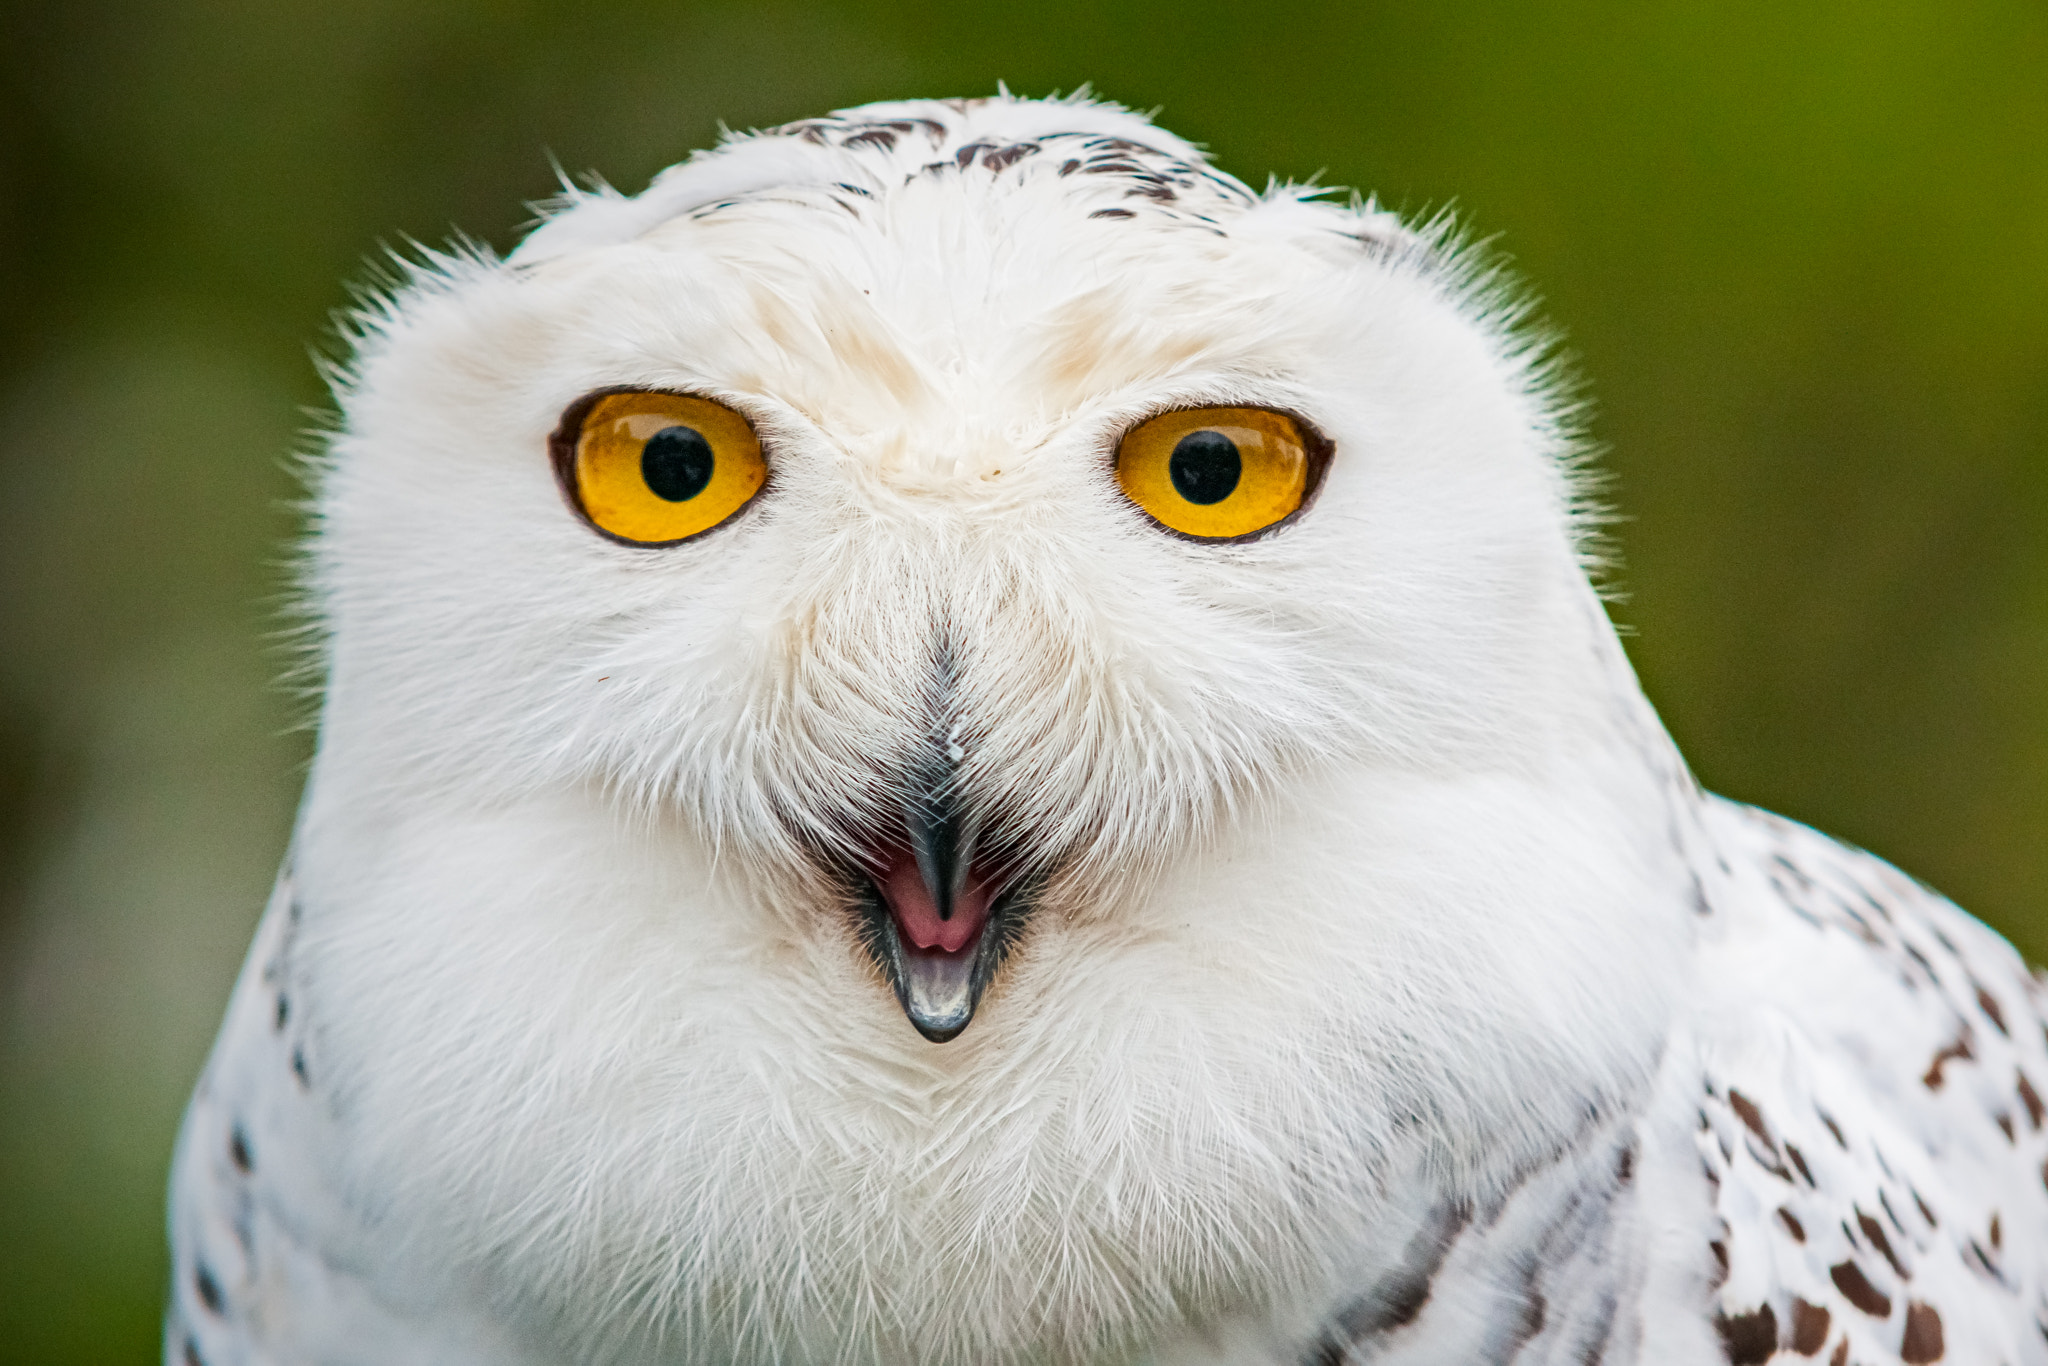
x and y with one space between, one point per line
1206 467
676 463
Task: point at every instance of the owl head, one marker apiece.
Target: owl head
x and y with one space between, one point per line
951 511
972 561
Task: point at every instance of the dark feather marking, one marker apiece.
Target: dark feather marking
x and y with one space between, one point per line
1746 1110
1400 1298
1594 1351
1798 874
1810 1323
1876 904
1749 1339
1988 1003
1752 1116
1112 213
1574 1227
1923 1342
208 1288
2031 1098
1984 1262
1857 1289
1874 1231
1404 1296
1535 1313
1863 929
1959 1051
1005 157
1125 145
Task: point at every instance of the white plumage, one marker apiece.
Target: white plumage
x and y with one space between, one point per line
1360 976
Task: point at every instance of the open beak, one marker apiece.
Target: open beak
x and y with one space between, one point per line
941 916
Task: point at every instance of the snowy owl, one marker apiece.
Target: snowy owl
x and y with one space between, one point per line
951 738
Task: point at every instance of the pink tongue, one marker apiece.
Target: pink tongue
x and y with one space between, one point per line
917 917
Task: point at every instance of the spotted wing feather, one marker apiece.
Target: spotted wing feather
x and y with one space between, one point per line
267 1256
1869 1113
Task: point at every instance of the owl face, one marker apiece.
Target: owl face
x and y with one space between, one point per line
956 522
959 572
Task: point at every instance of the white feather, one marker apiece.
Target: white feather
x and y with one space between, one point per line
1376 936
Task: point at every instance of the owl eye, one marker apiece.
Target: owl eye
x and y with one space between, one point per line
1216 473
653 468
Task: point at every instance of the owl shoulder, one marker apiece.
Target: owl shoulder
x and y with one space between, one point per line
1870 1114
268 1256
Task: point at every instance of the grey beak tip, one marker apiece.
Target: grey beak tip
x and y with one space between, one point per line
937 1033
938 994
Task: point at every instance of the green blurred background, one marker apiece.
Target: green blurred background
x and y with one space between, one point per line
1801 251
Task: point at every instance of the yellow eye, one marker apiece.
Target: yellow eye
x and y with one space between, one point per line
653 468
1216 473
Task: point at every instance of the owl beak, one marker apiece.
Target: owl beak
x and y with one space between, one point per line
940 919
942 841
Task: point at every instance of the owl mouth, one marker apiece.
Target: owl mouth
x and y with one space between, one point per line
939 916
